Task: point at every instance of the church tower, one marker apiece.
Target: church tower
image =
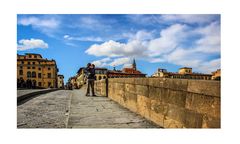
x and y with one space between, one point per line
134 66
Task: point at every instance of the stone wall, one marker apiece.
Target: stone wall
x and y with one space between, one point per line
170 103
100 87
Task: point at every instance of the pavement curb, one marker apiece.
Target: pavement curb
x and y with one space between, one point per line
31 95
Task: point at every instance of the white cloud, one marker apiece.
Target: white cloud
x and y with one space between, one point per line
37 22
110 49
178 44
95 23
169 39
102 63
113 62
46 25
188 18
92 39
26 44
120 61
210 42
141 35
210 66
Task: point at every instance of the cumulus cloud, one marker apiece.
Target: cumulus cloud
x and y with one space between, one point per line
120 61
179 44
102 63
110 49
113 62
169 39
115 49
26 44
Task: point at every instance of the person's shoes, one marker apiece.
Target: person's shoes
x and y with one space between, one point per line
94 95
87 95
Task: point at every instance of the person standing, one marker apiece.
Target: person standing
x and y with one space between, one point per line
90 73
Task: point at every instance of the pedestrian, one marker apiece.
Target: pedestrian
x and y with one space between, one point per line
90 73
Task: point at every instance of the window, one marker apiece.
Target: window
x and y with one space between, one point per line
22 62
39 75
104 77
39 68
39 84
49 68
30 56
28 67
29 63
49 75
49 84
33 67
99 78
29 74
33 74
35 56
20 72
33 63
20 67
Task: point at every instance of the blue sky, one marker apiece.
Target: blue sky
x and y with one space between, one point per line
155 41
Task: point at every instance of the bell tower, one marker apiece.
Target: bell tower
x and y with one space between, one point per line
134 66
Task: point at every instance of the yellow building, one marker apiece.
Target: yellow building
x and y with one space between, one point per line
60 81
183 73
216 75
80 78
39 72
100 73
185 70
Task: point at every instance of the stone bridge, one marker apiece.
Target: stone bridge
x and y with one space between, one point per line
169 103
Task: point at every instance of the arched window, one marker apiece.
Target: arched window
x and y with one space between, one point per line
20 72
104 77
29 74
33 74
99 78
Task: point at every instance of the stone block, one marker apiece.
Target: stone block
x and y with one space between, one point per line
143 106
177 98
129 80
171 123
156 82
193 119
205 87
157 118
142 81
130 88
142 90
203 104
155 93
176 84
176 113
211 122
130 97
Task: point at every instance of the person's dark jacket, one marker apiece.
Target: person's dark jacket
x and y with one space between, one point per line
90 73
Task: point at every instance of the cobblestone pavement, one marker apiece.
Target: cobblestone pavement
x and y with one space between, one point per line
46 111
27 91
72 109
101 112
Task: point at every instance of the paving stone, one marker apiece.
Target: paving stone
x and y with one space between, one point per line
101 112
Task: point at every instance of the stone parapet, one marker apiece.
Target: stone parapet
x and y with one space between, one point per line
170 103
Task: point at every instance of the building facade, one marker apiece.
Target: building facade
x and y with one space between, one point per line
126 72
183 73
60 81
34 71
216 75
101 73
